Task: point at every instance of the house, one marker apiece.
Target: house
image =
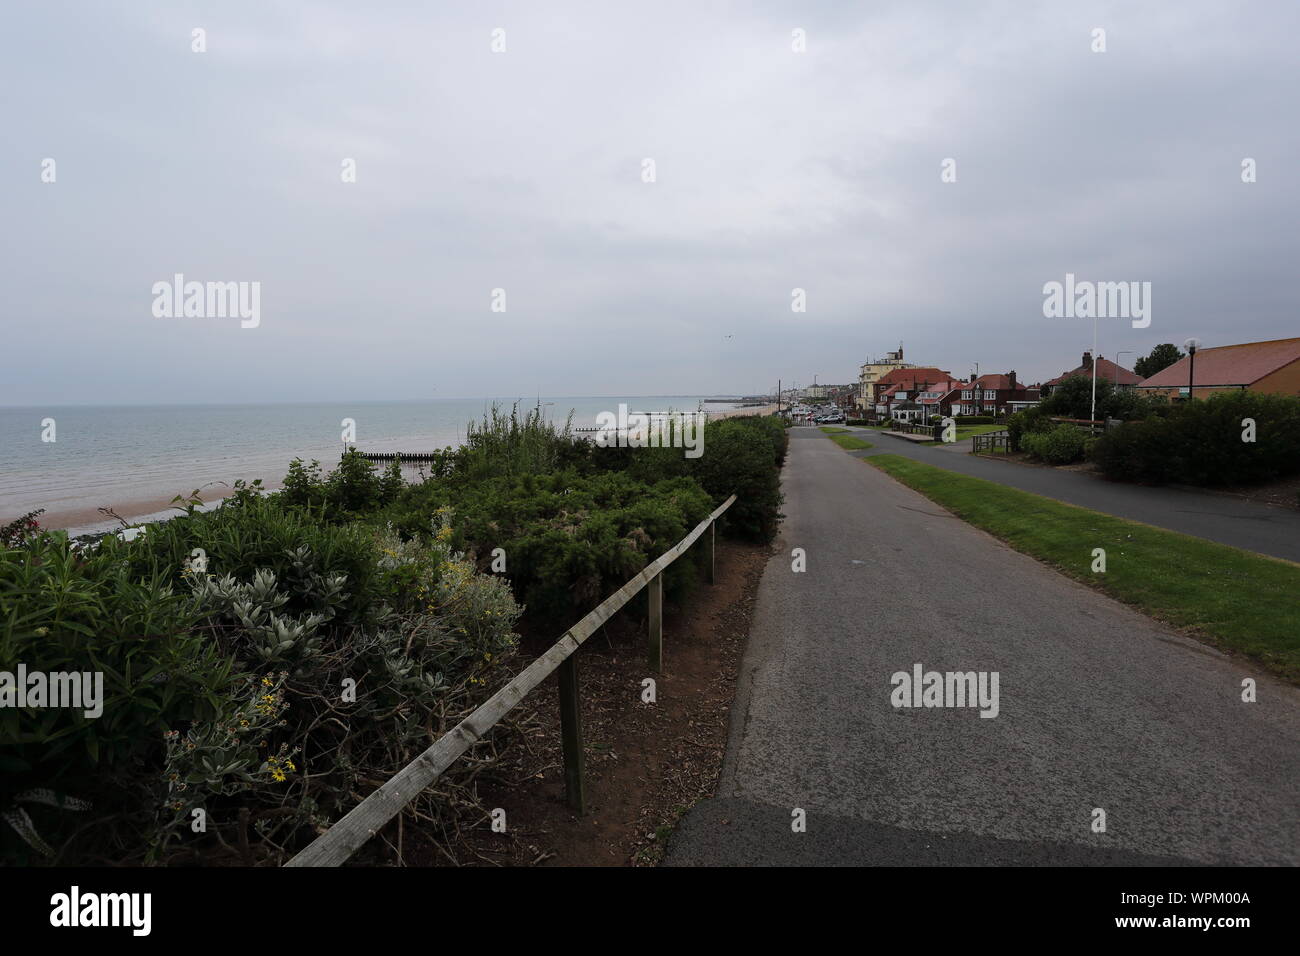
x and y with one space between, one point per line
936 398
871 372
1272 366
1032 396
988 395
904 385
1106 370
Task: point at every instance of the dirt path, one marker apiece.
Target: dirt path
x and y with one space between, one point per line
646 763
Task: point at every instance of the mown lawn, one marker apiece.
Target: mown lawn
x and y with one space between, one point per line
831 429
1235 599
965 431
851 442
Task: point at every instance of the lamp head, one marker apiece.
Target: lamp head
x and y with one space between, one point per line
1192 345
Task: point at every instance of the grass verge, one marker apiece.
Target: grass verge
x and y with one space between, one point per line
1231 598
831 429
851 442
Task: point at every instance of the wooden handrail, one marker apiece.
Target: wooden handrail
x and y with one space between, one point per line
358 825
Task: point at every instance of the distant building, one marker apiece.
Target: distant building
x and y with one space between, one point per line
901 385
871 373
990 395
1255 366
1106 370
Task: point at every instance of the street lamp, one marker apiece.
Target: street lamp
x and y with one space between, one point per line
1117 355
1092 415
1191 345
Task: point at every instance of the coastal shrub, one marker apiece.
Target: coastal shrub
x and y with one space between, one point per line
571 540
1062 445
740 456
291 745
515 444
224 682
69 610
1201 442
21 530
247 535
352 489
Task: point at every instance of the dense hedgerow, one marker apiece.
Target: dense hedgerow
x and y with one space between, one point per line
570 540
225 679
1201 442
740 456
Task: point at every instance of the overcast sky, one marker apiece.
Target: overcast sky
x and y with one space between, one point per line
522 170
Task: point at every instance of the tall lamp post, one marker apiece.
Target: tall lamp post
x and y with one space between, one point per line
1092 415
1117 366
1191 345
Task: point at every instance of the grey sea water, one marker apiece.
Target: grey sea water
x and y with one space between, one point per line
124 456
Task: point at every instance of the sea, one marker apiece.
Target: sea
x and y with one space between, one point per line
133 459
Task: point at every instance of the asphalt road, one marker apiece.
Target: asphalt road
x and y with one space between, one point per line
1098 707
1243 524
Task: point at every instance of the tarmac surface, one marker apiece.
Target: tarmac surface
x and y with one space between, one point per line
1098 707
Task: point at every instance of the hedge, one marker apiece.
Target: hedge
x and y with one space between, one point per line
1203 442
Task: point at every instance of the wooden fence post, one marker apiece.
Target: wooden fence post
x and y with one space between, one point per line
712 566
571 734
655 591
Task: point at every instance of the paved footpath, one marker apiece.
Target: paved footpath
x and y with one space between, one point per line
1245 524
1099 707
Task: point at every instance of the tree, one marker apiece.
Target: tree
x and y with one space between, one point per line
1161 357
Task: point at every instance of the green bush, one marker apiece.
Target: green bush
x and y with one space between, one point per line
1062 445
740 456
1201 442
224 676
1032 420
570 540
65 610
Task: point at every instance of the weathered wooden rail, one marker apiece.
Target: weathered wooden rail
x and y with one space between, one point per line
344 838
912 428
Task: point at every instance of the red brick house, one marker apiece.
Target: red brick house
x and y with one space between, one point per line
987 395
1106 370
903 385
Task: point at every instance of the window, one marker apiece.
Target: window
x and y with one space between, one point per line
990 396
966 395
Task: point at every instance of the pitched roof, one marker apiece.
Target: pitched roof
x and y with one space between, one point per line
1106 369
1242 364
912 375
995 382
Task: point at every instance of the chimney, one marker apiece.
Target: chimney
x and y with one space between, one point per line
1012 376
1087 359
